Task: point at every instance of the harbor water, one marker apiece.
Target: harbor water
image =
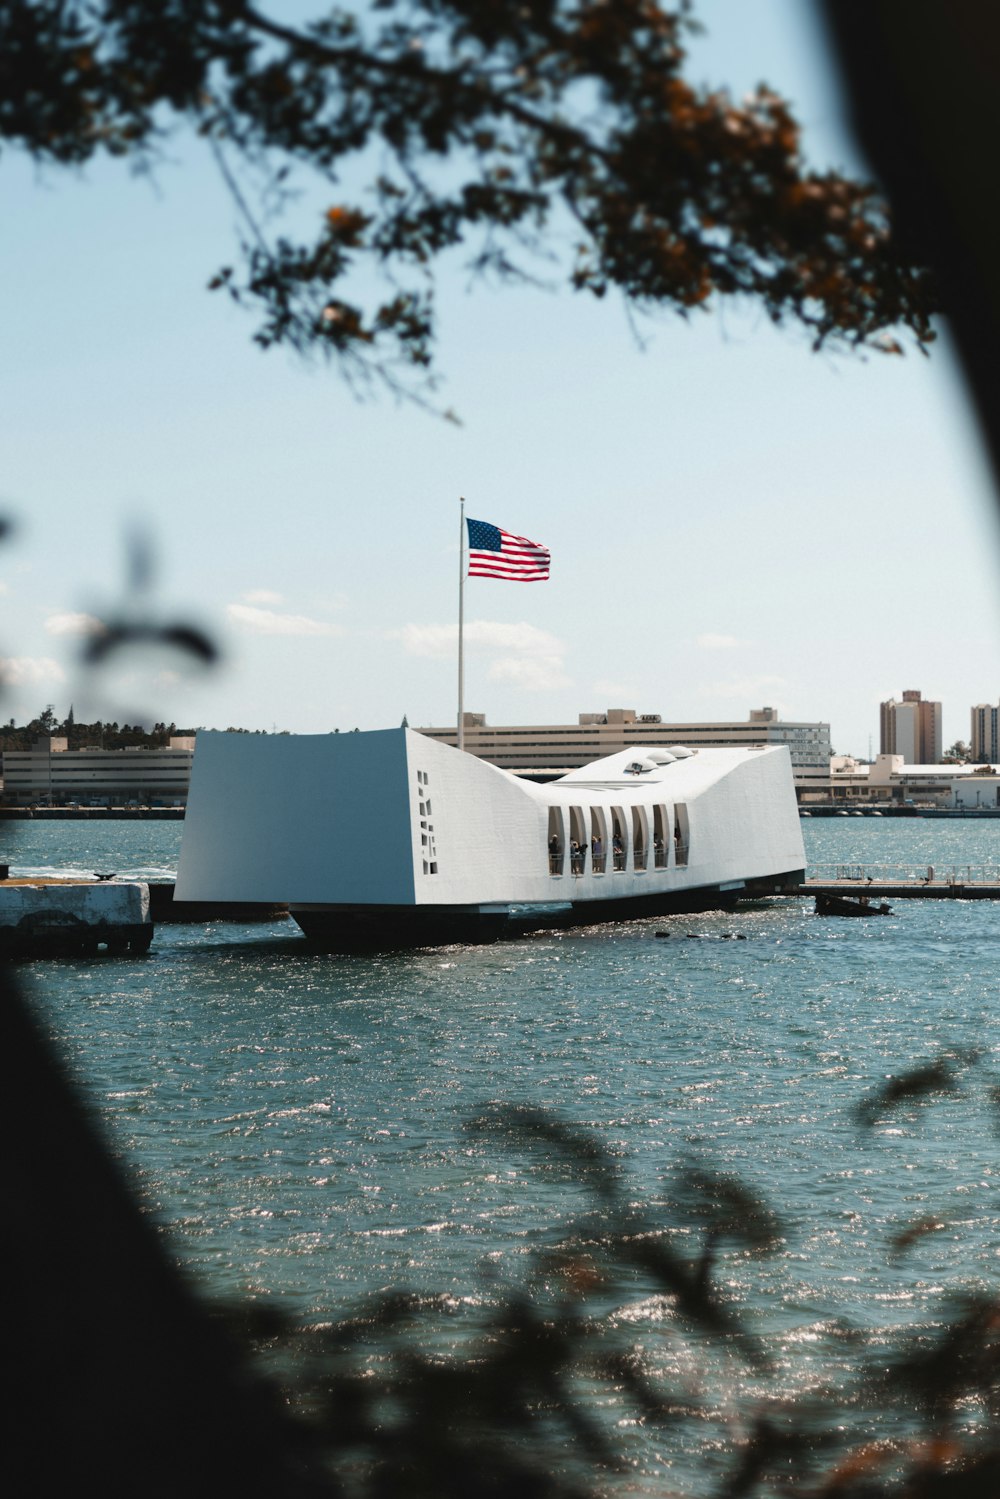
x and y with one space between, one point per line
295 1122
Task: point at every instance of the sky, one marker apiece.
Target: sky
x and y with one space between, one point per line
734 520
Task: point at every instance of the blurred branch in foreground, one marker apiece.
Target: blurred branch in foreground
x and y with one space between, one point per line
555 138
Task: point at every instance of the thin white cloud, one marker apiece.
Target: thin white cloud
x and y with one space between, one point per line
616 691
713 642
268 622
26 671
746 688
74 624
533 673
436 641
261 596
525 656
4 588
481 636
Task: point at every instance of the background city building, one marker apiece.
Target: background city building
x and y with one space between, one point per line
911 728
50 774
891 781
551 749
984 740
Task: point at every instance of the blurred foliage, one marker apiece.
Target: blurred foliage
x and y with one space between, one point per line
504 127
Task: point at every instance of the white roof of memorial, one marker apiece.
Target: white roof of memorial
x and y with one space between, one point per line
692 769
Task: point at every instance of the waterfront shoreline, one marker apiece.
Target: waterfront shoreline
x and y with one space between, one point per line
92 814
870 811
176 814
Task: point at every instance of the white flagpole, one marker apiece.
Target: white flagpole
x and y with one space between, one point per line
461 622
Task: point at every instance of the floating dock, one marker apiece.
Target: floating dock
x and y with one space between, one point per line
905 881
904 889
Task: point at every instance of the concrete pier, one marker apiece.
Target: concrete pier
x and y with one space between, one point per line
47 918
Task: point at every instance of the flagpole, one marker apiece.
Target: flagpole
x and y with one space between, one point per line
461 623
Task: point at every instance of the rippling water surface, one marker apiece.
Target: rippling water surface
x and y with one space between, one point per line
296 1121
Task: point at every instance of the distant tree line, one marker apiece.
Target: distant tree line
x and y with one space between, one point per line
109 735
96 735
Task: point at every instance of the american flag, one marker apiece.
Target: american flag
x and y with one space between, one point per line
497 554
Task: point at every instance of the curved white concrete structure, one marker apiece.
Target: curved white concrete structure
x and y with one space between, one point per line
389 838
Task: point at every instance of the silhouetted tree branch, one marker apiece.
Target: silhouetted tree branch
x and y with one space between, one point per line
498 128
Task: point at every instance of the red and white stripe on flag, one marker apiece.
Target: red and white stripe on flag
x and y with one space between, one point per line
497 554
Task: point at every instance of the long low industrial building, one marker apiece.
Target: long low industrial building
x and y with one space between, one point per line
549 750
51 774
